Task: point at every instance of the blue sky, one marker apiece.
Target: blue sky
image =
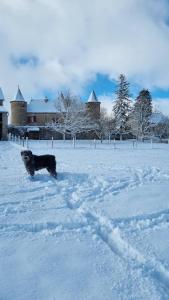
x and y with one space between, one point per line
101 85
51 45
105 88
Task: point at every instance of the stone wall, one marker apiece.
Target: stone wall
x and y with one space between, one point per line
18 113
93 109
4 126
41 118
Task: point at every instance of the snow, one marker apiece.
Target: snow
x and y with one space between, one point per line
92 97
3 109
32 128
158 117
1 94
100 231
19 96
41 106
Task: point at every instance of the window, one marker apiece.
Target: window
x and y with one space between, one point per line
34 119
31 119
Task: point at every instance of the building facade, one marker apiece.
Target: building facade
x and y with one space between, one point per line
34 116
3 118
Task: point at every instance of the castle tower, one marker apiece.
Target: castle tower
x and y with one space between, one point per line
93 106
18 110
3 118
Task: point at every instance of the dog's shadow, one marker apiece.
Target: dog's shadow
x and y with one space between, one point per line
73 177
61 176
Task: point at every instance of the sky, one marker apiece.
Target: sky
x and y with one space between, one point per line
51 45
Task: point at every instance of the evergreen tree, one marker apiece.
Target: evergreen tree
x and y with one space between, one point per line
142 113
122 106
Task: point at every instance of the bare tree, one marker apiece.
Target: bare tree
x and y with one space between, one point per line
73 118
160 125
105 125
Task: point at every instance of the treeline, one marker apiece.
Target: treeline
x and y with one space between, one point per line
137 118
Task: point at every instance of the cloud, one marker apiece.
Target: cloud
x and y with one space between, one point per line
50 44
106 103
162 104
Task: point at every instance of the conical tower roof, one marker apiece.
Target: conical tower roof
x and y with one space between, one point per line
92 97
19 96
1 95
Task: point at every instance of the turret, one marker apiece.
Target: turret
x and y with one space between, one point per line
93 106
18 110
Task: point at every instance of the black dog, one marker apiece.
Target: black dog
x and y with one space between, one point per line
34 162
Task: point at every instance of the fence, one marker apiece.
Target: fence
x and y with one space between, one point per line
87 144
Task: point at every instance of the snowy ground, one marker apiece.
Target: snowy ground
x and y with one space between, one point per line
99 232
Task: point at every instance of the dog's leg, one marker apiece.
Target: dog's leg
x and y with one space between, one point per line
31 172
52 172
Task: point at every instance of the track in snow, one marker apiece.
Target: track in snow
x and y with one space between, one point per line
111 235
77 191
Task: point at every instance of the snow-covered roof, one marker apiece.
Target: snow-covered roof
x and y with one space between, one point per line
32 128
41 106
1 94
92 97
157 117
3 109
19 96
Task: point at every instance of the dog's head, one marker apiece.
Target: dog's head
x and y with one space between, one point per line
26 155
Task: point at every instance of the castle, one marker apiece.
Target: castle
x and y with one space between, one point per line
33 116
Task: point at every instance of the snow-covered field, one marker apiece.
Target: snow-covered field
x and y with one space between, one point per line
99 232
